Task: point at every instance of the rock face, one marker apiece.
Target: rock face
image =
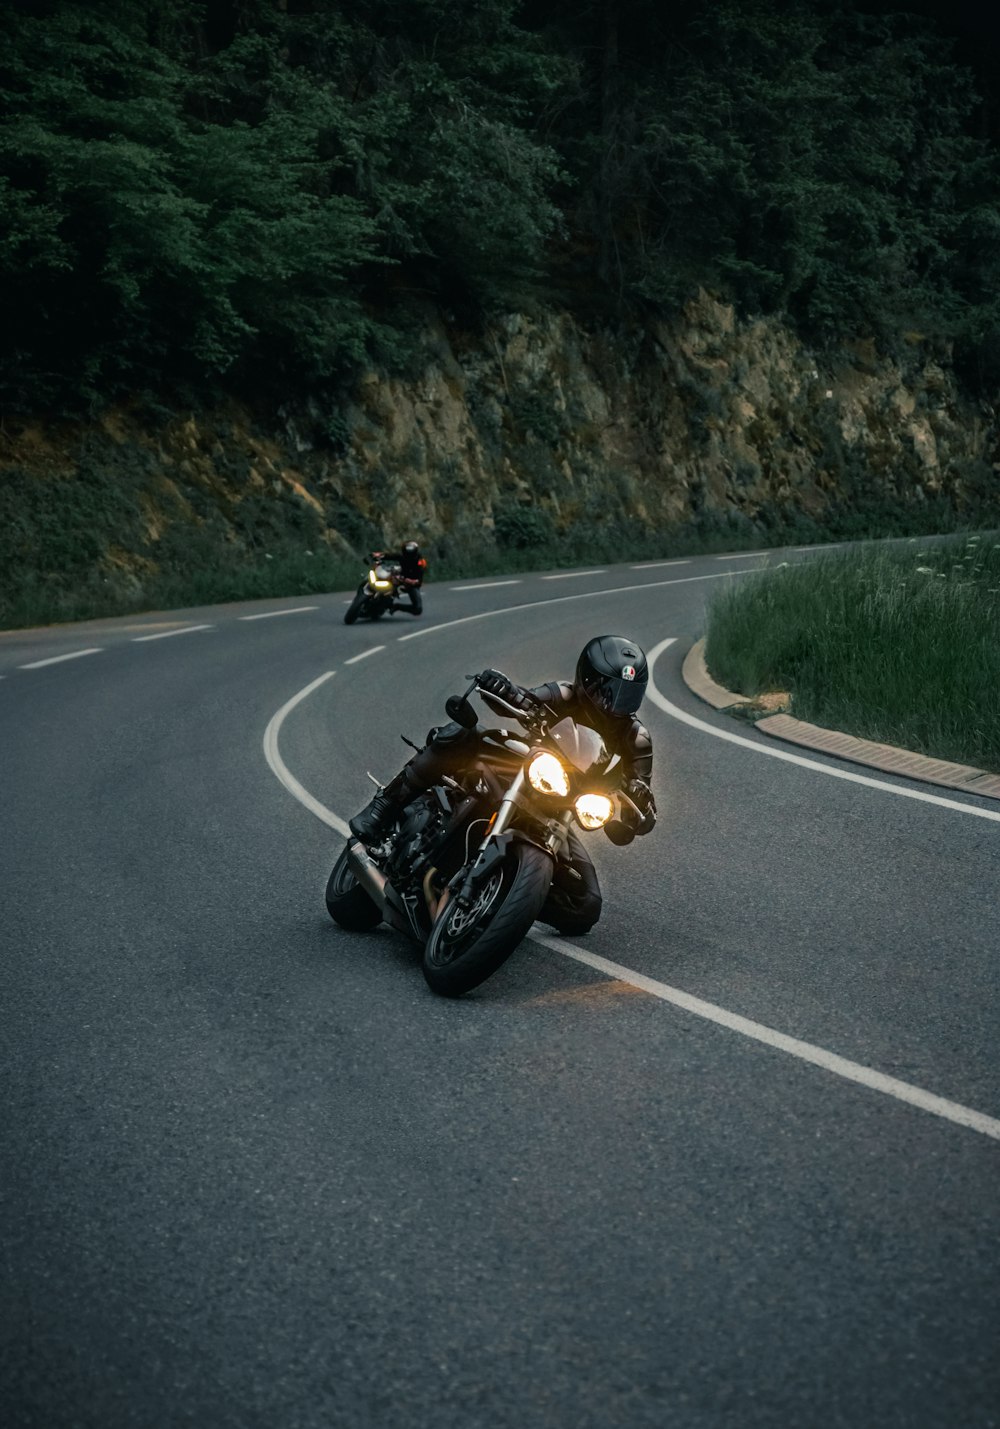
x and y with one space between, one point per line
707 417
541 426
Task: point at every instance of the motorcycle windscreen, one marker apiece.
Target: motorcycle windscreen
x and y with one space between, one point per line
581 746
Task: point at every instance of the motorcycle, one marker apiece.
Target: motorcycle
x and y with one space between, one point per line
472 862
375 595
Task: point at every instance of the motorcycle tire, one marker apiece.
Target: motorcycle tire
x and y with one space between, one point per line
354 609
347 902
467 947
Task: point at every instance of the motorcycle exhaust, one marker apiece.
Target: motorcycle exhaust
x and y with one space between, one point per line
368 874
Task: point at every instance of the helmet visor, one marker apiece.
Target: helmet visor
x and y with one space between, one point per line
614 695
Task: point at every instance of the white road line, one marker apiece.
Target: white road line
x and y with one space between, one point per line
561 599
58 659
650 565
364 655
483 585
573 575
903 793
742 555
696 1006
166 634
270 614
793 1046
835 546
273 756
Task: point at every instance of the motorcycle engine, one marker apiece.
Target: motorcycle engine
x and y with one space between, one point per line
421 820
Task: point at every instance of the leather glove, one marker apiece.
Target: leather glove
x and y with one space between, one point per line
495 682
642 796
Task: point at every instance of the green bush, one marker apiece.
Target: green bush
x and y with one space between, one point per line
521 528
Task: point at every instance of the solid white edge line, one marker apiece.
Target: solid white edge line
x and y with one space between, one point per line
273 756
561 599
696 1006
865 780
573 575
793 1046
364 655
650 565
58 659
483 585
744 555
270 614
166 634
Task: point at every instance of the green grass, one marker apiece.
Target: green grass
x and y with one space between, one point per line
899 645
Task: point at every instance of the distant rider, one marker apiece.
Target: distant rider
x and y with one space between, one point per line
611 678
413 565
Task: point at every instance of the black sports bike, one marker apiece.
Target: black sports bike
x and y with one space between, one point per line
474 860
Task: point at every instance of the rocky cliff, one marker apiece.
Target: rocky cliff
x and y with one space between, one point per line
735 423
542 427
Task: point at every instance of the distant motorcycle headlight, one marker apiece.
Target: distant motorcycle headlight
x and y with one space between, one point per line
593 810
547 775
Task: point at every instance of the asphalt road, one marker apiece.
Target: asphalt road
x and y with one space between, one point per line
255 1174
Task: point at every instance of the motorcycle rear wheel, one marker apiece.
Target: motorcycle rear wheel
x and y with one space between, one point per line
347 902
466 947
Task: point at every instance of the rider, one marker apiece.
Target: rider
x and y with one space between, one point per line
413 565
611 678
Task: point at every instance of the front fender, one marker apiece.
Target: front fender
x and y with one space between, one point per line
467 881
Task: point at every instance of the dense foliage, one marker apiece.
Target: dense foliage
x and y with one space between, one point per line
258 192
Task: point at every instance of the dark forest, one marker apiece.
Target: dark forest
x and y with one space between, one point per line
258 197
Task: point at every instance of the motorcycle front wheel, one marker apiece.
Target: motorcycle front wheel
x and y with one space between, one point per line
354 609
468 945
347 902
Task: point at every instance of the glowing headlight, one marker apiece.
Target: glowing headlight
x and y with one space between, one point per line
373 580
593 810
547 775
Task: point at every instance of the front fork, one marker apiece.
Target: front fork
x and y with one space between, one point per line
494 846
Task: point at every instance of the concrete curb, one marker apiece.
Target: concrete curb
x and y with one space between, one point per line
841 746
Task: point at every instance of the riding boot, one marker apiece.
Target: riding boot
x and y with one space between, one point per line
375 819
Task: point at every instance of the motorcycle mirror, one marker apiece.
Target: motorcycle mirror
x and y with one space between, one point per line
459 709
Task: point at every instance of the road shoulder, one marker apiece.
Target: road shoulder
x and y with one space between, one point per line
886 757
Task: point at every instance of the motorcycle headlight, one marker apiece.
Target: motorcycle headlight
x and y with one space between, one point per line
593 810
547 775
374 581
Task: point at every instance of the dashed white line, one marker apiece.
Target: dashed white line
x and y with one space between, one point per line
166 634
573 575
364 655
483 585
270 614
560 599
651 565
899 790
58 659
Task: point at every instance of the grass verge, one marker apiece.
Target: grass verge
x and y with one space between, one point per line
899 645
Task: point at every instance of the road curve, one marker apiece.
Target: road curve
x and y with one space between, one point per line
256 1174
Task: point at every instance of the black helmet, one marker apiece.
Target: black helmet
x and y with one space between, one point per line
612 674
410 547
